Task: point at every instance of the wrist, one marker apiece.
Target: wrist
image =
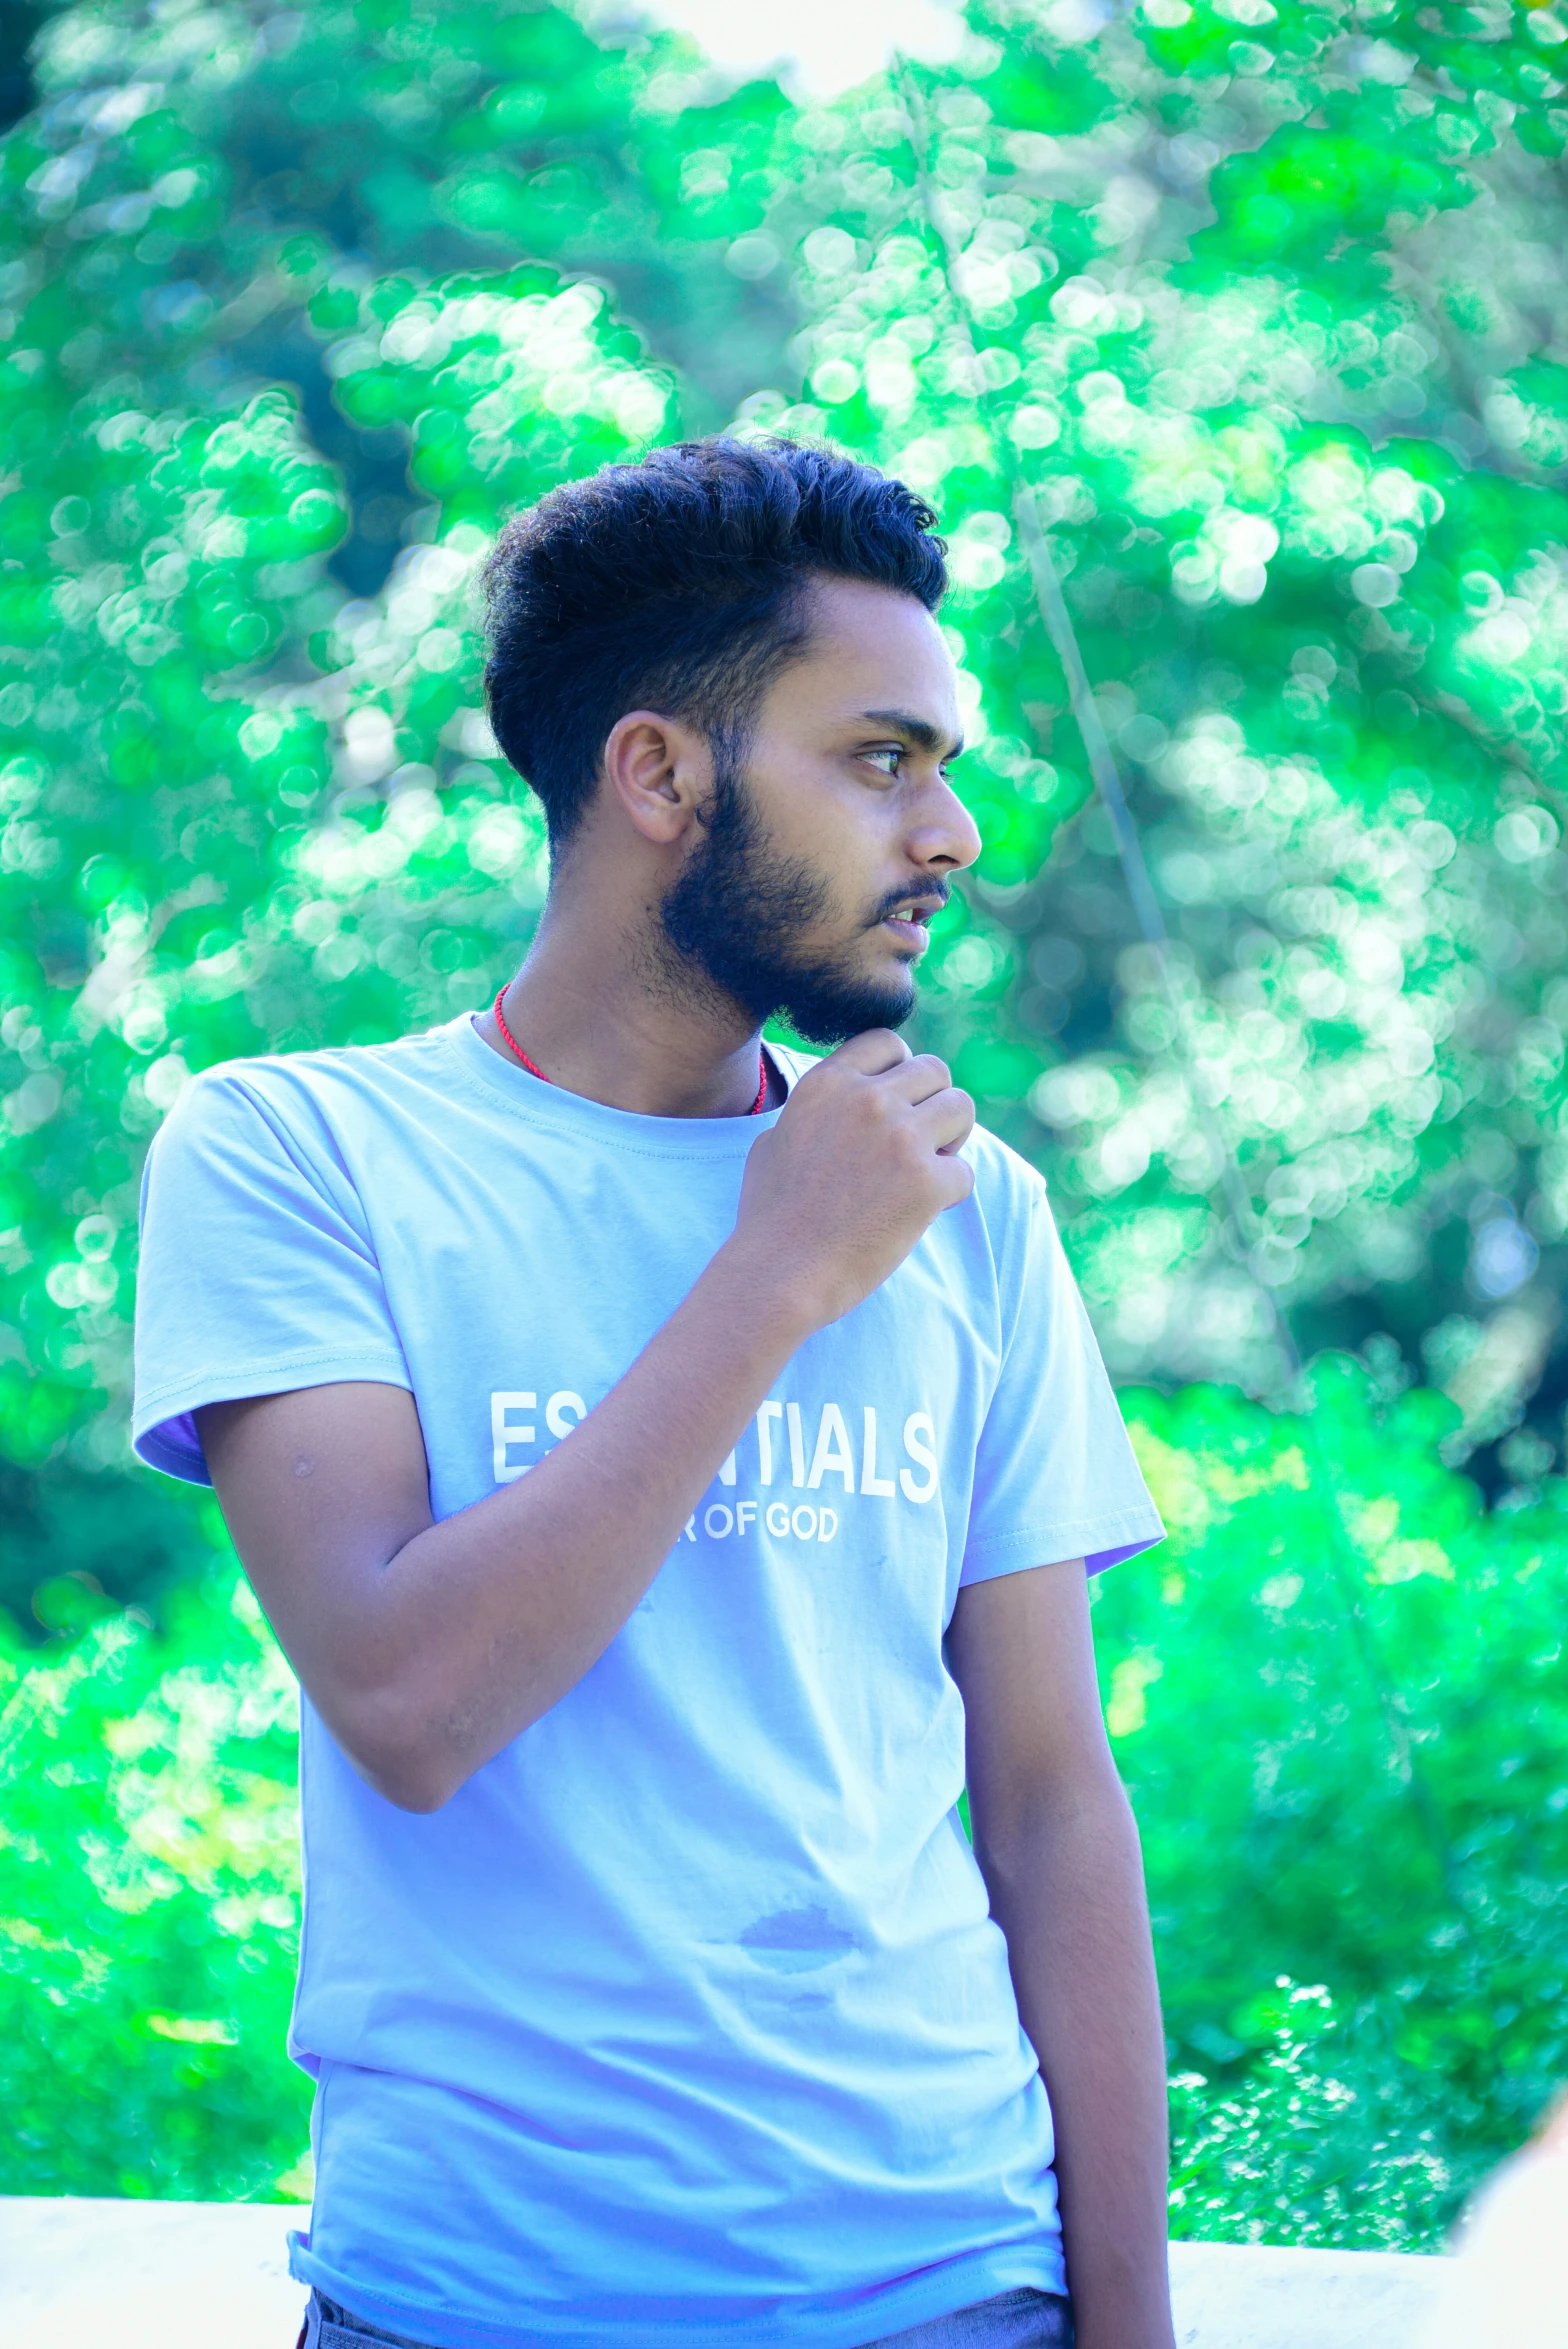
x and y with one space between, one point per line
779 1302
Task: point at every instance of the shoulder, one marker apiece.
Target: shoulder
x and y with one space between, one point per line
1009 1190
299 1094
1012 1222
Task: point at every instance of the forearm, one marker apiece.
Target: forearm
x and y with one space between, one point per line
428 1646
532 1583
1066 1888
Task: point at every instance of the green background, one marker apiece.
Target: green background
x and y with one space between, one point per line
1265 310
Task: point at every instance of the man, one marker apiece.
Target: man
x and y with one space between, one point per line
670 1464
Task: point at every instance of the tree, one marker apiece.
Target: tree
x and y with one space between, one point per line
1217 302
1258 315
1259 310
195 728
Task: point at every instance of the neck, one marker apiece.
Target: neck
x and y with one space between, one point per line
603 1012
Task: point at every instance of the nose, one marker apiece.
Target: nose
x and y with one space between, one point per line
943 836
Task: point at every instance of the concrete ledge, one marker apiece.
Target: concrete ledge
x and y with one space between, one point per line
194 2275
79 2274
1257 2296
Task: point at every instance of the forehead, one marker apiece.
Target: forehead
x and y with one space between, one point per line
872 648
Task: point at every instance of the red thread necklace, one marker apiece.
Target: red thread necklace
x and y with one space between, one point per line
534 1069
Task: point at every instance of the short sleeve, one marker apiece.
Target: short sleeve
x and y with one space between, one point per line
257 1272
1055 1473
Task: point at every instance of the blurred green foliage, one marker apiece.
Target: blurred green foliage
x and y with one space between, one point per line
1339 1703
149 1900
1265 309
1312 536
295 306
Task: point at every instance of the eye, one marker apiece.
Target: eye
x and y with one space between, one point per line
885 758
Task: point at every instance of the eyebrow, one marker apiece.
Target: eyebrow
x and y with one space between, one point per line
919 731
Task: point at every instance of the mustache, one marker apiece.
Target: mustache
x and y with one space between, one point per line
935 893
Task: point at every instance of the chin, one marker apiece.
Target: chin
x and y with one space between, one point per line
830 1010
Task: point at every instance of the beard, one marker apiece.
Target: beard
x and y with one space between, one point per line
737 914
735 919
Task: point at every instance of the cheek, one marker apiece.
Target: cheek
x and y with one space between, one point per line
838 836
853 863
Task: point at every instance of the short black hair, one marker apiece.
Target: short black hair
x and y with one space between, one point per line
678 584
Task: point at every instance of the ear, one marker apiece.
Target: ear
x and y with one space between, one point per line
659 772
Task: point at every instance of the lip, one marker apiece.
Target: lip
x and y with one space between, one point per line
914 937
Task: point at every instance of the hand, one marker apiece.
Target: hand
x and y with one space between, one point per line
863 1159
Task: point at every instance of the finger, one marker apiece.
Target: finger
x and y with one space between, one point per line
919 1078
947 1120
956 1179
870 1053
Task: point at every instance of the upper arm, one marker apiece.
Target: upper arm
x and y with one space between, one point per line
320 1489
1022 1652
259 1277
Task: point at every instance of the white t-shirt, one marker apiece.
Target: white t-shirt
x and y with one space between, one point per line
685 2020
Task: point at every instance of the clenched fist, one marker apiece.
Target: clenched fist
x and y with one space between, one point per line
864 1157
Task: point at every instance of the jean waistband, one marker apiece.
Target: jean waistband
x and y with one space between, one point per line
1024 2319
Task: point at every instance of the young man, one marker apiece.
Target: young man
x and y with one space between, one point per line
670 1466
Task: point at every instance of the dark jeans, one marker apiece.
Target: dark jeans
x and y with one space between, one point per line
1013 2320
